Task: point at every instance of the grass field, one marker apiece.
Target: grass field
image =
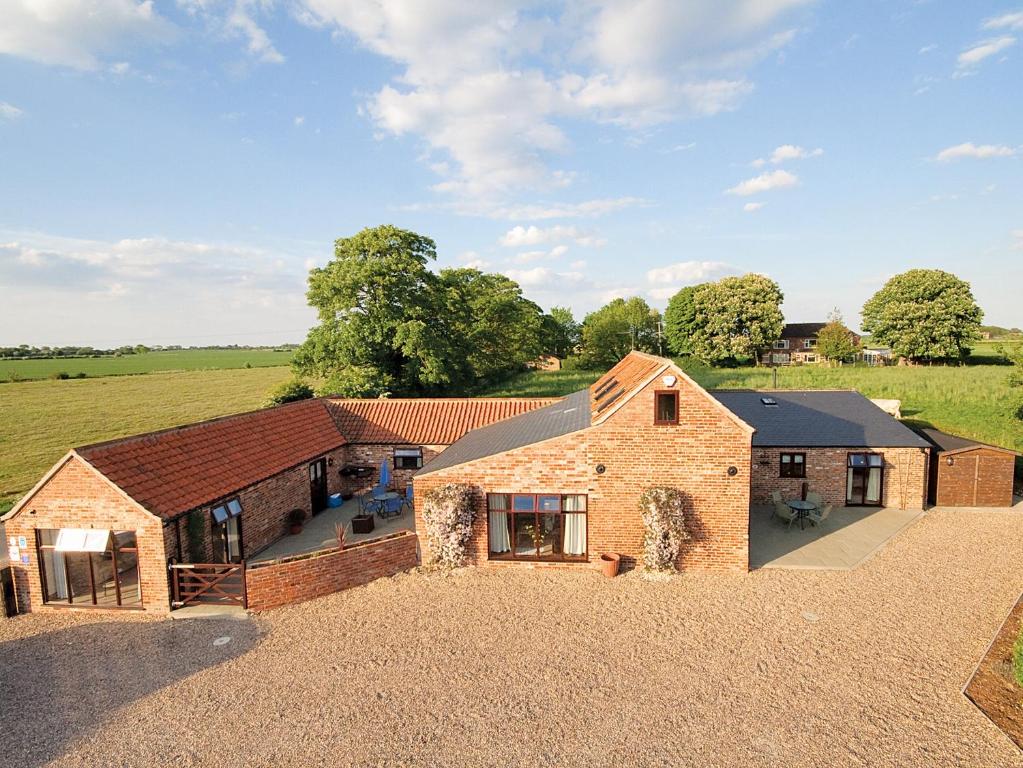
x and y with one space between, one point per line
150 362
973 401
43 419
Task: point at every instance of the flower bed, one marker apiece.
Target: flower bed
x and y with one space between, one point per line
994 687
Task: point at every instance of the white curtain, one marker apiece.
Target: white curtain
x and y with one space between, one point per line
874 484
575 525
55 572
849 485
500 541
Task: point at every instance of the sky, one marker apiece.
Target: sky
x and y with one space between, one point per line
170 171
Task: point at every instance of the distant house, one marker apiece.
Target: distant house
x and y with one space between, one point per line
877 355
797 344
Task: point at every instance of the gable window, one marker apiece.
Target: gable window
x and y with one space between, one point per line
227 531
781 344
792 465
408 458
531 526
89 568
666 407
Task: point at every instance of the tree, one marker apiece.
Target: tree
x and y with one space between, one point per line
680 320
616 328
493 329
288 392
561 333
736 317
924 314
835 340
378 329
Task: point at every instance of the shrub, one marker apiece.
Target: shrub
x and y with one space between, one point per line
296 517
60 375
448 512
288 392
664 522
1017 659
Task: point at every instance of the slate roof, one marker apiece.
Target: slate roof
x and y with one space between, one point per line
801 330
176 470
439 421
945 442
818 418
560 418
629 373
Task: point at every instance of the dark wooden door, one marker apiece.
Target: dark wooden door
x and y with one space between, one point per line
318 485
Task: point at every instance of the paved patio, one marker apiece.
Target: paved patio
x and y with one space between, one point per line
320 532
849 536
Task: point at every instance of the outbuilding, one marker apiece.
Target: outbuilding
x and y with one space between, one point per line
968 473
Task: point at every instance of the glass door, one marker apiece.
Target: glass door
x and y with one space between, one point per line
865 480
318 485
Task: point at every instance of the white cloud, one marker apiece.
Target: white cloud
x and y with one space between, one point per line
688 273
1012 20
79 34
751 207
928 49
299 120
1018 235
9 111
787 152
489 87
971 150
519 236
241 20
473 260
587 209
984 49
543 276
764 182
554 253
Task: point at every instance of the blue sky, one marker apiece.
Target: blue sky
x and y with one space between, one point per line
170 171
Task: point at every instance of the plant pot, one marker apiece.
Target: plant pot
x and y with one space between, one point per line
362 524
295 529
609 564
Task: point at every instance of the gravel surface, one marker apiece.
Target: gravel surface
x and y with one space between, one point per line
545 668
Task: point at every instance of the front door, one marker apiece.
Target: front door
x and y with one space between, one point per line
318 485
864 480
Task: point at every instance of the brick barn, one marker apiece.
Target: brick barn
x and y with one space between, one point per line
557 482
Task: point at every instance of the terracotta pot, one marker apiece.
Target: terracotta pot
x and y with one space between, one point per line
296 529
609 564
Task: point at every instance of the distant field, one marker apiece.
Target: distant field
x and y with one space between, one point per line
42 419
150 362
972 400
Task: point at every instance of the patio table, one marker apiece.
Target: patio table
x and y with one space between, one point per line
802 509
382 499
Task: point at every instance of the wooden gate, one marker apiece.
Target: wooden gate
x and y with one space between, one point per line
210 583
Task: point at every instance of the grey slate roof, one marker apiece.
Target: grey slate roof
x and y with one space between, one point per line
946 442
816 418
801 330
568 415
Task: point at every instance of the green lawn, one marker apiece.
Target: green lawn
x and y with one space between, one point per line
973 401
1017 659
150 362
43 419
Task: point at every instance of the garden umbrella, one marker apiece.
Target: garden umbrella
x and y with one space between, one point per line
385 473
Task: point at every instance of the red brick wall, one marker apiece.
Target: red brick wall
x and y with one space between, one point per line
977 478
309 576
693 456
75 497
373 455
905 475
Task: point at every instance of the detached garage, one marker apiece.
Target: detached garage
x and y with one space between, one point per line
965 473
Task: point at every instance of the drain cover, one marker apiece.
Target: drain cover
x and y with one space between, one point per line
222 640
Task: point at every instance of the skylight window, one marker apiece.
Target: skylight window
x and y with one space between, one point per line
770 402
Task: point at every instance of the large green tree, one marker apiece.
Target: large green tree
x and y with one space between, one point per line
609 333
736 317
924 315
680 320
835 341
561 333
493 329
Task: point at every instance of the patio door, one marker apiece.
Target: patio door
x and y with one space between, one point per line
318 485
864 480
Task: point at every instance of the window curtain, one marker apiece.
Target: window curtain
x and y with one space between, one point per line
56 574
575 525
874 484
849 484
500 541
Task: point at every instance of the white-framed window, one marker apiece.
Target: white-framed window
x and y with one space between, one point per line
810 358
809 343
408 458
779 358
781 344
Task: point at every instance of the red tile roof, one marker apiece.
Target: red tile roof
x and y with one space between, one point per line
179 469
424 421
629 373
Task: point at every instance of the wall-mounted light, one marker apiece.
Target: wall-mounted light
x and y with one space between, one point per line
733 471
950 460
601 469
330 461
669 381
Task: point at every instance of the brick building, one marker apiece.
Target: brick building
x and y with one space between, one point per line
797 344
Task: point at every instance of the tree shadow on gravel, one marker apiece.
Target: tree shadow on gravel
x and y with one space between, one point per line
57 687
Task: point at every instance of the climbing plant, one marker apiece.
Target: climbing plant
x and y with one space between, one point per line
448 512
664 523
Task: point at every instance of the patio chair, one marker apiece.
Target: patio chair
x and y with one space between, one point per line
368 505
782 510
392 507
814 498
819 517
407 501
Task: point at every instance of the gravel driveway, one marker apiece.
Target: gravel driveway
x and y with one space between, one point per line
545 668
